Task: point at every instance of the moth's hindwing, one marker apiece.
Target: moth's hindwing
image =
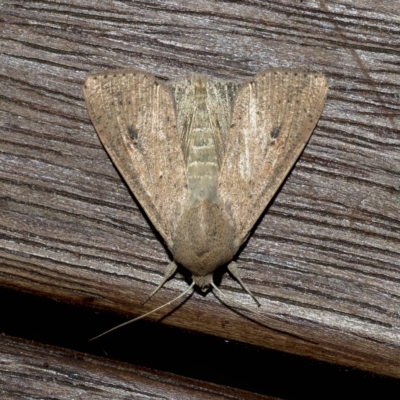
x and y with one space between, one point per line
134 116
273 117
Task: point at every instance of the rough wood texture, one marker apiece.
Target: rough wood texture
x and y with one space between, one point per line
30 370
323 261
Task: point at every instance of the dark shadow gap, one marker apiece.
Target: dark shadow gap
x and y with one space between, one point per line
207 358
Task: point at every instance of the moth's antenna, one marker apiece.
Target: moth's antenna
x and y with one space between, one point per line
145 315
171 269
229 299
234 270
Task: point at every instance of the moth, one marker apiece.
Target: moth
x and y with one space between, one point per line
202 156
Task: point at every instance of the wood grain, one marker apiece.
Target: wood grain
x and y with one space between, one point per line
66 374
324 259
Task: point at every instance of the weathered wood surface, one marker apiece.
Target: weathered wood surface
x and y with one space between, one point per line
31 370
324 261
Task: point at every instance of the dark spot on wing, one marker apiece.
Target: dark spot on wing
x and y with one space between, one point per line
133 134
275 132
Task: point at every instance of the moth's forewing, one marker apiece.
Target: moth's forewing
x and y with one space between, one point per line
134 116
273 117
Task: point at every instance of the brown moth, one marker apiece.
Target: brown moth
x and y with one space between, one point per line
204 157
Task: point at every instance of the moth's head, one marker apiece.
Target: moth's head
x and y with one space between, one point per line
203 281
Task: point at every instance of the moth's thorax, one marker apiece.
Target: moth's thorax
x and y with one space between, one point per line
204 240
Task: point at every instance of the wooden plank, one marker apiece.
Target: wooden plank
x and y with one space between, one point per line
32 370
323 261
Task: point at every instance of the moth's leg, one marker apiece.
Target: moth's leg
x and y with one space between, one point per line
171 269
234 270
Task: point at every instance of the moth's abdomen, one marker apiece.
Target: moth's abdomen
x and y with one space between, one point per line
201 157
